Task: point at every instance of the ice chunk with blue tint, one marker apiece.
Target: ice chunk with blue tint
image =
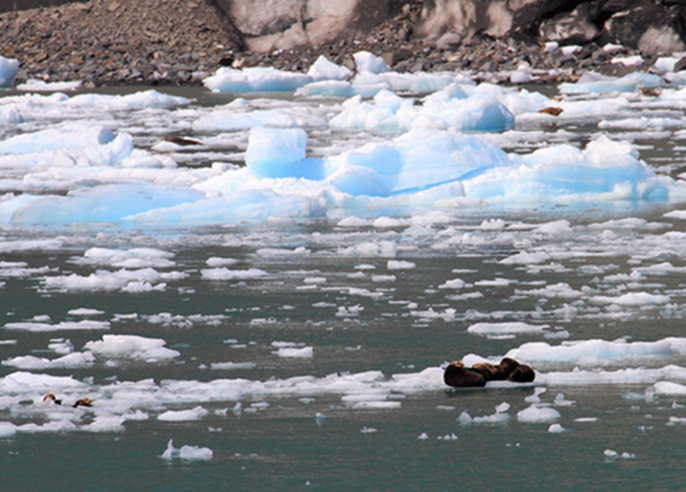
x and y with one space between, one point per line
8 71
255 79
108 203
281 153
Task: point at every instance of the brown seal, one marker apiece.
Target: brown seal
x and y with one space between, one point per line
459 376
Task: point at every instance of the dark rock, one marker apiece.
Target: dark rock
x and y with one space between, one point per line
573 27
680 64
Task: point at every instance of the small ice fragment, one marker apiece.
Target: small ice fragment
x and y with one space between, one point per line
555 428
423 436
368 430
464 418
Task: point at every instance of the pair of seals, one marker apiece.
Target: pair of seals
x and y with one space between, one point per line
82 402
459 376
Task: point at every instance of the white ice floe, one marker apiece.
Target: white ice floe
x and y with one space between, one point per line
183 415
35 85
304 352
593 82
35 326
132 281
186 453
596 351
131 347
131 258
535 414
515 328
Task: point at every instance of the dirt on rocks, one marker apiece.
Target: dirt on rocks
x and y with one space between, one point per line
180 42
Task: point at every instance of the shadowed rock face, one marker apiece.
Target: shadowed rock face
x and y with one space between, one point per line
272 24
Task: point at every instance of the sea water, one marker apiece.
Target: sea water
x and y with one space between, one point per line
288 351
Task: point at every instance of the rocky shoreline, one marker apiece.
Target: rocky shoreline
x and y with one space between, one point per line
177 42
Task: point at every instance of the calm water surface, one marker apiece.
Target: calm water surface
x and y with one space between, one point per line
312 440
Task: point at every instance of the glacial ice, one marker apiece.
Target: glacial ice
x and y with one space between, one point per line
8 71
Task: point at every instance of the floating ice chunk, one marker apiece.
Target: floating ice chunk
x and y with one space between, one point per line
183 415
400 265
255 79
105 423
35 85
593 82
107 203
556 429
132 258
186 453
669 388
516 327
75 137
231 366
423 436
589 350
224 273
323 69
229 118
535 414
455 283
8 71
367 62
7 429
85 312
124 280
215 261
327 88
131 346
632 299
305 352
611 454
69 361
62 326
280 153
376 405
535 398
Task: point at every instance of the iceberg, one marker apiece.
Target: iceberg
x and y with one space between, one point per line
8 71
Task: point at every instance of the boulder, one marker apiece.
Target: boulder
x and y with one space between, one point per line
268 25
651 26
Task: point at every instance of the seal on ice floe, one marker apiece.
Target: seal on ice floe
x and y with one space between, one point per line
459 376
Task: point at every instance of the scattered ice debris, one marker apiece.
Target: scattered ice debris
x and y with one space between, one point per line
448 437
183 415
535 414
186 453
556 429
613 455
